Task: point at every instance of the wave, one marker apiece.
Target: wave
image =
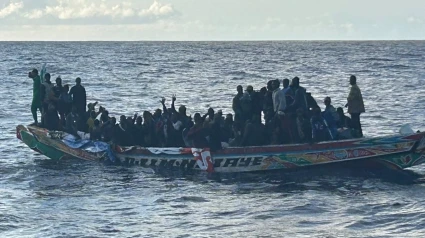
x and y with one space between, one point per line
378 59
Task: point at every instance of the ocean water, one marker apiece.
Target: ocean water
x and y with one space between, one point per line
71 198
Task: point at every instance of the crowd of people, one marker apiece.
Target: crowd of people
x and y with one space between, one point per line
290 115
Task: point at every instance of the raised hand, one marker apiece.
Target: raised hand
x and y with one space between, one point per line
162 100
174 98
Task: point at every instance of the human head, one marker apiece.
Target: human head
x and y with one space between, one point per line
276 84
58 81
327 101
34 72
340 111
78 81
96 122
129 120
146 115
139 120
285 83
93 114
296 82
210 112
123 119
66 88
47 77
182 110
353 80
197 118
263 90
239 88
270 85
229 117
249 89
220 113
90 107
113 120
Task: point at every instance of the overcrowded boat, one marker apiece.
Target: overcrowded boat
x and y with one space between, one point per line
295 134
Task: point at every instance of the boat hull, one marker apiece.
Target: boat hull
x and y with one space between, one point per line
396 152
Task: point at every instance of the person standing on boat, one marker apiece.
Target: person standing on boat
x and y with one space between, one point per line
268 108
236 105
355 105
300 96
46 92
79 99
36 99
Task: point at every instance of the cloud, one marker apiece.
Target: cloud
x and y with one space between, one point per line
86 12
34 14
13 7
75 9
157 9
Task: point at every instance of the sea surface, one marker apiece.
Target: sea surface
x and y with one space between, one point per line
72 198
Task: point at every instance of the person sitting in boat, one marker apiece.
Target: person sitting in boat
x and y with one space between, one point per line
303 127
331 116
96 131
236 104
71 122
343 125
90 121
254 133
174 131
355 106
209 116
149 131
227 131
214 132
122 135
320 130
237 135
108 129
197 134
139 135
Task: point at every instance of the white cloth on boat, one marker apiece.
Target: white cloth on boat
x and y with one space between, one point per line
169 151
88 145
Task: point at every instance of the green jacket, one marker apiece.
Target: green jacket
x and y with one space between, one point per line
36 97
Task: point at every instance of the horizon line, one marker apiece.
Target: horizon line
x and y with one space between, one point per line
265 40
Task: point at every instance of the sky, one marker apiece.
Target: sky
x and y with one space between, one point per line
182 20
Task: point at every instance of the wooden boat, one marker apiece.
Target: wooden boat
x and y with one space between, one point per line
396 152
